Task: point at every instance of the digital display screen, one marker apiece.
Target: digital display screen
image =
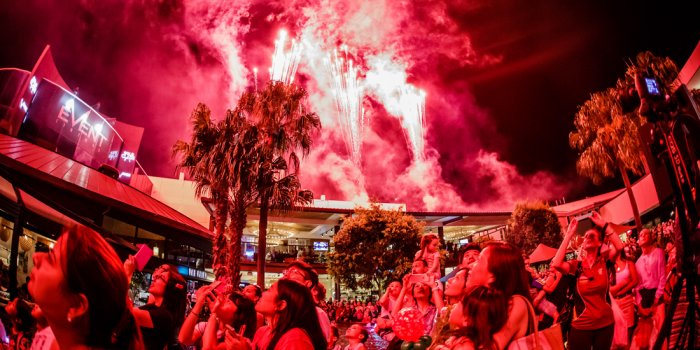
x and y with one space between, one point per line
652 86
321 246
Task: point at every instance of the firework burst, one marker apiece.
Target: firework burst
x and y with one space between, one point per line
285 61
348 93
412 104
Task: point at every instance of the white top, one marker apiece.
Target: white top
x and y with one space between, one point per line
651 269
43 339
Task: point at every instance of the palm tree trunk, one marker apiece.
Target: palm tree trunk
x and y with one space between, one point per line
633 201
221 252
262 238
238 222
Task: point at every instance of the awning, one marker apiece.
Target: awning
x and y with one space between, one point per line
542 253
76 189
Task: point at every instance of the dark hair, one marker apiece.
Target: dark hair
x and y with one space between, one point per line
487 311
320 291
92 268
425 263
363 332
506 264
310 271
466 248
175 296
245 314
258 290
430 292
299 313
23 320
335 331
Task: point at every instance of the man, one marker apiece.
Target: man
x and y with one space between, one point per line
651 269
419 267
467 257
304 274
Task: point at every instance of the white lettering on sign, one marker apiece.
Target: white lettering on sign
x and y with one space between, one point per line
23 105
92 132
33 85
128 156
113 155
125 174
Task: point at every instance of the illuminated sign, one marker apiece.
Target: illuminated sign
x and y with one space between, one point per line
23 105
113 155
33 85
82 123
128 156
125 175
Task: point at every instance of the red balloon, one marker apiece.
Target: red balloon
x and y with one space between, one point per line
408 325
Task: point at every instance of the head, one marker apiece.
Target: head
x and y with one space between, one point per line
419 266
484 312
20 313
469 255
646 238
237 310
455 286
252 292
394 288
422 291
592 241
38 316
501 266
81 288
290 305
303 273
168 284
430 243
357 332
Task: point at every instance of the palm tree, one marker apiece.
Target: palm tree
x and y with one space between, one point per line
206 165
607 138
283 126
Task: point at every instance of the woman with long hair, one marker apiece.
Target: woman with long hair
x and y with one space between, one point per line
81 288
484 313
622 288
23 324
235 313
593 323
294 322
424 298
161 318
501 267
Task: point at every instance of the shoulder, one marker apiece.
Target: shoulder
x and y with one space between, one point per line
295 338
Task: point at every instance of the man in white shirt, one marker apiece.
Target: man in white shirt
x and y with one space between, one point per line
651 268
303 273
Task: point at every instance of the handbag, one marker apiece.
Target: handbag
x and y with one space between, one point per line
620 335
548 339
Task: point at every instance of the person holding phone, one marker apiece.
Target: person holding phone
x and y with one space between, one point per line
232 313
160 319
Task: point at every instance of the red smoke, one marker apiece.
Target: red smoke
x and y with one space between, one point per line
152 61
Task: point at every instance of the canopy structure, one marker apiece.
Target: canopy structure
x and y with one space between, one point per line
542 253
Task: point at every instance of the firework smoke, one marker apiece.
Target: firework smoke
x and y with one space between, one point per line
161 58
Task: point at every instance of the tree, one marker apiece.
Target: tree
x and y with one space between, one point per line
373 247
532 223
283 125
204 162
607 138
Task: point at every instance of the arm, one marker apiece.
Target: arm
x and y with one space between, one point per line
517 317
209 338
612 237
187 335
400 299
558 261
552 282
437 293
384 300
661 272
435 266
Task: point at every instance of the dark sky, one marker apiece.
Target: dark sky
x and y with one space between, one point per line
549 56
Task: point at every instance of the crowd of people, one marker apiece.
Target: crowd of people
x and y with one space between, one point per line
610 295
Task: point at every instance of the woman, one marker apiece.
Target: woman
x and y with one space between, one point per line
254 292
160 319
623 286
82 290
593 323
423 299
23 324
235 313
501 266
294 322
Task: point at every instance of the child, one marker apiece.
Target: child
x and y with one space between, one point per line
430 252
356 336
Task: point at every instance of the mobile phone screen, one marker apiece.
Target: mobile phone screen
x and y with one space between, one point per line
142 256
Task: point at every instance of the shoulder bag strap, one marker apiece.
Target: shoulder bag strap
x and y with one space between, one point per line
532 327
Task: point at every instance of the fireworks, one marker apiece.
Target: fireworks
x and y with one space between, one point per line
285 63
348 95
412 104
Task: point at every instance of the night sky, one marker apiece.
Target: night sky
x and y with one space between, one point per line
503 80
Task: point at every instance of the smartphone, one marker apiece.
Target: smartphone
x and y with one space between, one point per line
418 277
142 256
